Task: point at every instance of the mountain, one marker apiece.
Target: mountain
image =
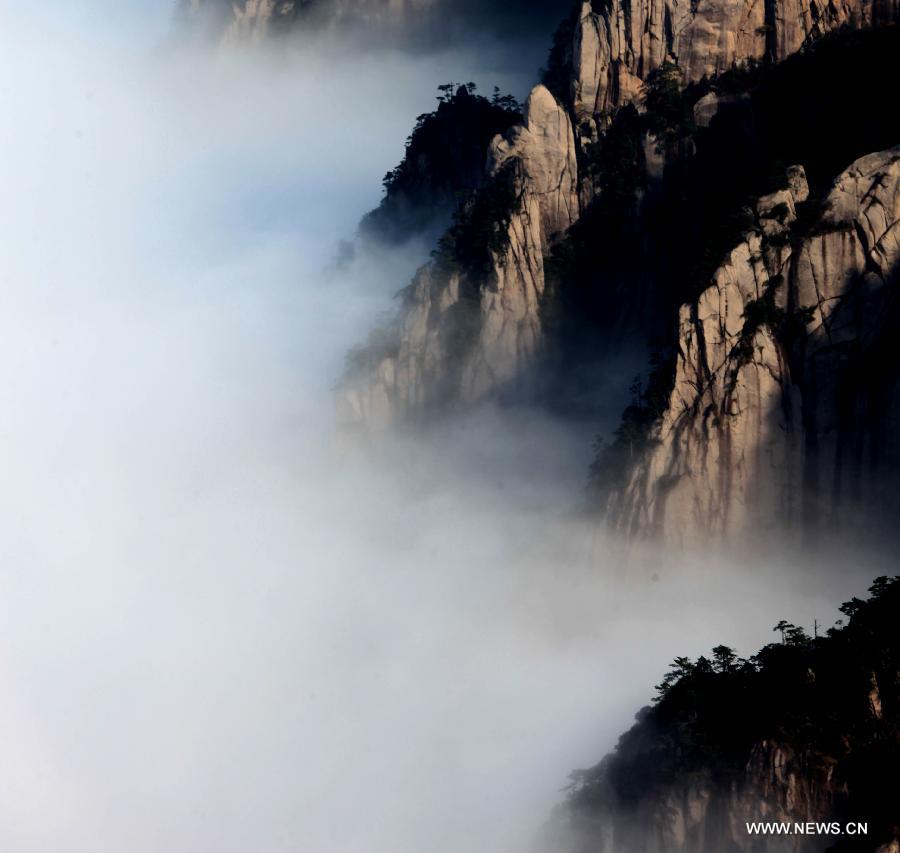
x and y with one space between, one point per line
416 23
704 180
470 319
786 400
241 21
808 730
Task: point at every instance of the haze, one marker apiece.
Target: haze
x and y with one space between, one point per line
220 631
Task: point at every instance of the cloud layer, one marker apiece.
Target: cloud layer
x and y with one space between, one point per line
218 633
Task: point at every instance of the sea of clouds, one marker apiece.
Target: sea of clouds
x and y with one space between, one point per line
220 632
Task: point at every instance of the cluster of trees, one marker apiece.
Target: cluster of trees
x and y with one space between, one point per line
480 227
833 698
443 162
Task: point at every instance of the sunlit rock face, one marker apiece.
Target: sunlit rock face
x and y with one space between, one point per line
618 43
461 337
542 154
478 336
786 403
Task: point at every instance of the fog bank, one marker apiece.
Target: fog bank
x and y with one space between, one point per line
216 633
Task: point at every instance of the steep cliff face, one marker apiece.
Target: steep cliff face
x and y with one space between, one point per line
695 812
805 731
619 43
581 159
785 403
470 324
542 155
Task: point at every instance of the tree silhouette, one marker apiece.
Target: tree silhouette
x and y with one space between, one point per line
724 658
783 626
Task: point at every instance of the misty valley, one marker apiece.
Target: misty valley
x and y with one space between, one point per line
450 426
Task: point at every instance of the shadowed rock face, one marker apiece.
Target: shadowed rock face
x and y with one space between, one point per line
804 731
786 397
459 337
618 43
785 405
463 335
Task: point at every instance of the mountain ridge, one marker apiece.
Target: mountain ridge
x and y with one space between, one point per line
807 730
592 239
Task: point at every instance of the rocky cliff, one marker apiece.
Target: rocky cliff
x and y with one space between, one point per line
808 730
470 322
617 44
785 403
465 334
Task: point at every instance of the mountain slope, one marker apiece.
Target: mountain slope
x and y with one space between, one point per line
786 400
807 730
466 332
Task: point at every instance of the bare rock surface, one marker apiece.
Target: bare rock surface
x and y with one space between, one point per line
761 430
457 340
619 43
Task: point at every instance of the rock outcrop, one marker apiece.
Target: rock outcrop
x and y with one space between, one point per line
602 60
542 154
696 812
464 334
788 737
492 322
786 403
619 43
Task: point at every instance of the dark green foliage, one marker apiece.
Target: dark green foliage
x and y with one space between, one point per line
615 162
670 108
737 80
505 102
813 695
480 227
786 325
633 435
558 73
444 162
760 312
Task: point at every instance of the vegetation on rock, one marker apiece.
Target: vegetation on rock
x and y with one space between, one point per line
646 249
832 700
480 227
444 162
